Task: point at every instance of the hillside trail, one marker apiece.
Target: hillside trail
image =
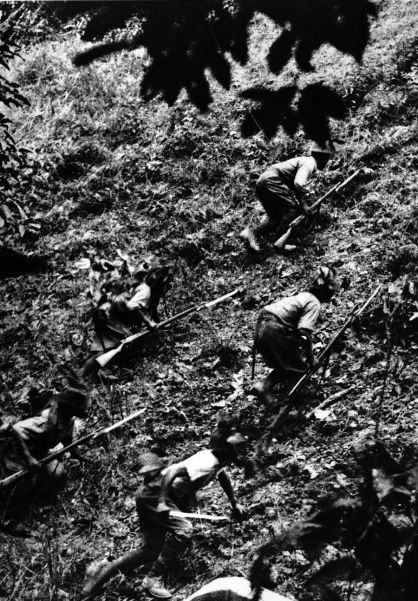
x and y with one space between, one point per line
111 172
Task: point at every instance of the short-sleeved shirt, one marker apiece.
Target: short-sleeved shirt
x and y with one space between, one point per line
141 298
295 172
43 432
201 468
299 312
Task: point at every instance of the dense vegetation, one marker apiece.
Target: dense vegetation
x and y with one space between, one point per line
110 171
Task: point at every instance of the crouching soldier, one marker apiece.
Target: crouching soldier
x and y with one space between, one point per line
283 332
174 488
281 190
124 308
24 443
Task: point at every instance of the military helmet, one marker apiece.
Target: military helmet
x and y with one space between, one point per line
149 462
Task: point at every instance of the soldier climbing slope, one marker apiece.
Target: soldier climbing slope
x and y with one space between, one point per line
124 304
281 190
23 444
283 332
172 489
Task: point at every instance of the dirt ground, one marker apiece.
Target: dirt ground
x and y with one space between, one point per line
111 172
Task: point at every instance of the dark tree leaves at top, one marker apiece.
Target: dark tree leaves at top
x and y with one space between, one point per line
186 40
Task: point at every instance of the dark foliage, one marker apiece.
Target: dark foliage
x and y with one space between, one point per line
12 158
13 263
363 526
186 40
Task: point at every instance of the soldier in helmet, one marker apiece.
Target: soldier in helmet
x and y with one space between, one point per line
166 536
284 329
281 190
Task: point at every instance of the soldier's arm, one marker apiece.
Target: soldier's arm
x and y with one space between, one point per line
171 474
226 485
143 317
302 178
306 340
30 461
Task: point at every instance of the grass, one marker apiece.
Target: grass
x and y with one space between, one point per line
113 172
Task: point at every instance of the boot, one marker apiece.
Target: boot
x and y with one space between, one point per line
248 236
155 587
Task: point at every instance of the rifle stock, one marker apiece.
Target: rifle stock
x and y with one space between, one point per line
322 356
105 358
280 243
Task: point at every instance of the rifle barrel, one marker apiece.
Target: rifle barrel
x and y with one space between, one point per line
199 307
45 460
355 313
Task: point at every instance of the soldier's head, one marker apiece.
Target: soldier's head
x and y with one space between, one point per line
150 465
322 153
73 401
324 285
226 439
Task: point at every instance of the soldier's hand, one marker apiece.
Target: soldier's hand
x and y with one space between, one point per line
238 513
162 508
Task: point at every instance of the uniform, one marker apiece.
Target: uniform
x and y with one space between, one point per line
277 335
166 536
117 317
276 186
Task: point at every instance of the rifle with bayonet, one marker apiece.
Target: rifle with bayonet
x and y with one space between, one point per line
322 359
280 243
13 478
102 360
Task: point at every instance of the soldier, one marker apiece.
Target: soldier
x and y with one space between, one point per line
283 332
120 311
26 442
124 307
173 488
281 190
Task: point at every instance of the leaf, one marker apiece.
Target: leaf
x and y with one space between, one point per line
82 264
8 216
221 70
280 51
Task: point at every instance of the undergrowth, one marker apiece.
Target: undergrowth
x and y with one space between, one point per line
111 172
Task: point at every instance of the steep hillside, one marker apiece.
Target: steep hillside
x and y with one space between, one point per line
111 172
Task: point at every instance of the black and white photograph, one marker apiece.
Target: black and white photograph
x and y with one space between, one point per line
209 300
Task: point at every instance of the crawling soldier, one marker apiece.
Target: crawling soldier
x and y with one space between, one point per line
120 311
124 307
281 189
26 442
283 332
174 488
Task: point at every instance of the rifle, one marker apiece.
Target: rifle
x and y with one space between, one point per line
13 478
200 516
104 359
280 243
355 313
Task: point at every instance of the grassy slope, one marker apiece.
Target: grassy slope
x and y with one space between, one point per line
116 173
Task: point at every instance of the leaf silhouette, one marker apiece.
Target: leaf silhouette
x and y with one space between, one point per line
280 51
316 104
275 111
